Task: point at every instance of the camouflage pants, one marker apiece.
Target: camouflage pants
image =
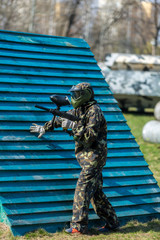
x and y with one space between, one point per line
89 189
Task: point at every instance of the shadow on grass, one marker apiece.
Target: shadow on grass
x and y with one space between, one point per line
149 114
143 227
133 227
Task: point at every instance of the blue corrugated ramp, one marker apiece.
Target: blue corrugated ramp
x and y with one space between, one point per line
38 176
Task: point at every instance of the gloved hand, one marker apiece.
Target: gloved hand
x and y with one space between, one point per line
38 129
66 123
48 126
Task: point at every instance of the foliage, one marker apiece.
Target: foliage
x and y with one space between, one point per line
121 26
147 49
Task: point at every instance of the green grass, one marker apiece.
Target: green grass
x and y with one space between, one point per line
151 151
132 230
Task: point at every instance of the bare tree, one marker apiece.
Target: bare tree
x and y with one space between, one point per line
33 8
72 16
51 17
105 30
7 13
119 25
145 25
156 20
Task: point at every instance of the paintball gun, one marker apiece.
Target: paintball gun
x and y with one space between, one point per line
59 101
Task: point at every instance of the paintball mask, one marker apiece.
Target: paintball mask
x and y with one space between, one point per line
81 94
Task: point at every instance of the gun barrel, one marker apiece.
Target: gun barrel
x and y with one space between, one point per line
43 108
66 115
59 113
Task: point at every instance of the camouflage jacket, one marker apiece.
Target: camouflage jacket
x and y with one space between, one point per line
90 133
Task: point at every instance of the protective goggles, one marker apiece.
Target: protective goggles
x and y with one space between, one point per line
77 94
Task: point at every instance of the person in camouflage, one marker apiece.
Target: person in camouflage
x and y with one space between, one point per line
90 134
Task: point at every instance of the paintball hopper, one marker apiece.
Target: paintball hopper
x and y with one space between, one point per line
60 101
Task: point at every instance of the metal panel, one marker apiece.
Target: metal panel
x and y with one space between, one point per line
132 61
38 176
138 89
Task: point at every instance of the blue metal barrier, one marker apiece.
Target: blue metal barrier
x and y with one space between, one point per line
38 176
